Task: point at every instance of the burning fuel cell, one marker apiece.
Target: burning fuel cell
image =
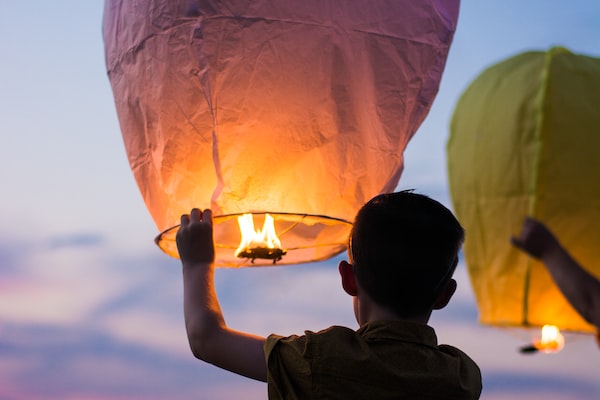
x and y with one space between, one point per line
262 244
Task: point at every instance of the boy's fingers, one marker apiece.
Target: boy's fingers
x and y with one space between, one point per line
195 215
185 219
207 216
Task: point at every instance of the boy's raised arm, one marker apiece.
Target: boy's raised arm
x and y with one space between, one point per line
209 337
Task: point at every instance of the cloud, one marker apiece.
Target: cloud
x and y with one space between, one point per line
11 252
524 384
81 239
49 362
79 279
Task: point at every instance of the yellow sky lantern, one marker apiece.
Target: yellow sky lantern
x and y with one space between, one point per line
296 109
525 140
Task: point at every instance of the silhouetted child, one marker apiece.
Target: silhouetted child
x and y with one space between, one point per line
579 287
403 251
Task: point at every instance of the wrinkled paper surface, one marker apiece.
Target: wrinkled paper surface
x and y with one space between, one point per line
281 106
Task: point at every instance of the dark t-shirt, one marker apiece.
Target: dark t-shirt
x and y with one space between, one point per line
382 360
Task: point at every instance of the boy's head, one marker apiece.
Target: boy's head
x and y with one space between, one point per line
404 249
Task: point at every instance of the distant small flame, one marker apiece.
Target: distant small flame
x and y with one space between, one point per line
552 340
262 243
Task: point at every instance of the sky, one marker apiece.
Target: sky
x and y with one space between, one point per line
89 306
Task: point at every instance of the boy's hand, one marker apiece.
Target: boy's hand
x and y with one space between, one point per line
535 239
195 237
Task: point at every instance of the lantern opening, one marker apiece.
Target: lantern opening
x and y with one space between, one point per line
262 243
307 237
552 341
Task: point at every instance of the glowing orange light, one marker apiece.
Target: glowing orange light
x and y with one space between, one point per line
262 243
552 340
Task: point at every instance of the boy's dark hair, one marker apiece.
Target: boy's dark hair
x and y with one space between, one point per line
404 249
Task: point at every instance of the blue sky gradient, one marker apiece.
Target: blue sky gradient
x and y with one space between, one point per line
91 309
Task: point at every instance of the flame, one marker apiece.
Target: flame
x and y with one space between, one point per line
262 243
552 340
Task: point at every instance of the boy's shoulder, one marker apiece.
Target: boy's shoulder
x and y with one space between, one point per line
396 336
391 355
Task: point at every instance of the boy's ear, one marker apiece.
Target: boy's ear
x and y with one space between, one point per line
445 295
348 278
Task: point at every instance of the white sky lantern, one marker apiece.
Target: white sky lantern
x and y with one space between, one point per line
298 109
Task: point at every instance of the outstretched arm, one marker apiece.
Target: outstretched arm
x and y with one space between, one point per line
210 338
580 288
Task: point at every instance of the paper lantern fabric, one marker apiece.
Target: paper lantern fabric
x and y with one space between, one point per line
525 140
301 108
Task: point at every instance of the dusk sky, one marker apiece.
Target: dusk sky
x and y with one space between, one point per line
91 309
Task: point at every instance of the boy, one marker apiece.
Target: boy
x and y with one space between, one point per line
402 253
